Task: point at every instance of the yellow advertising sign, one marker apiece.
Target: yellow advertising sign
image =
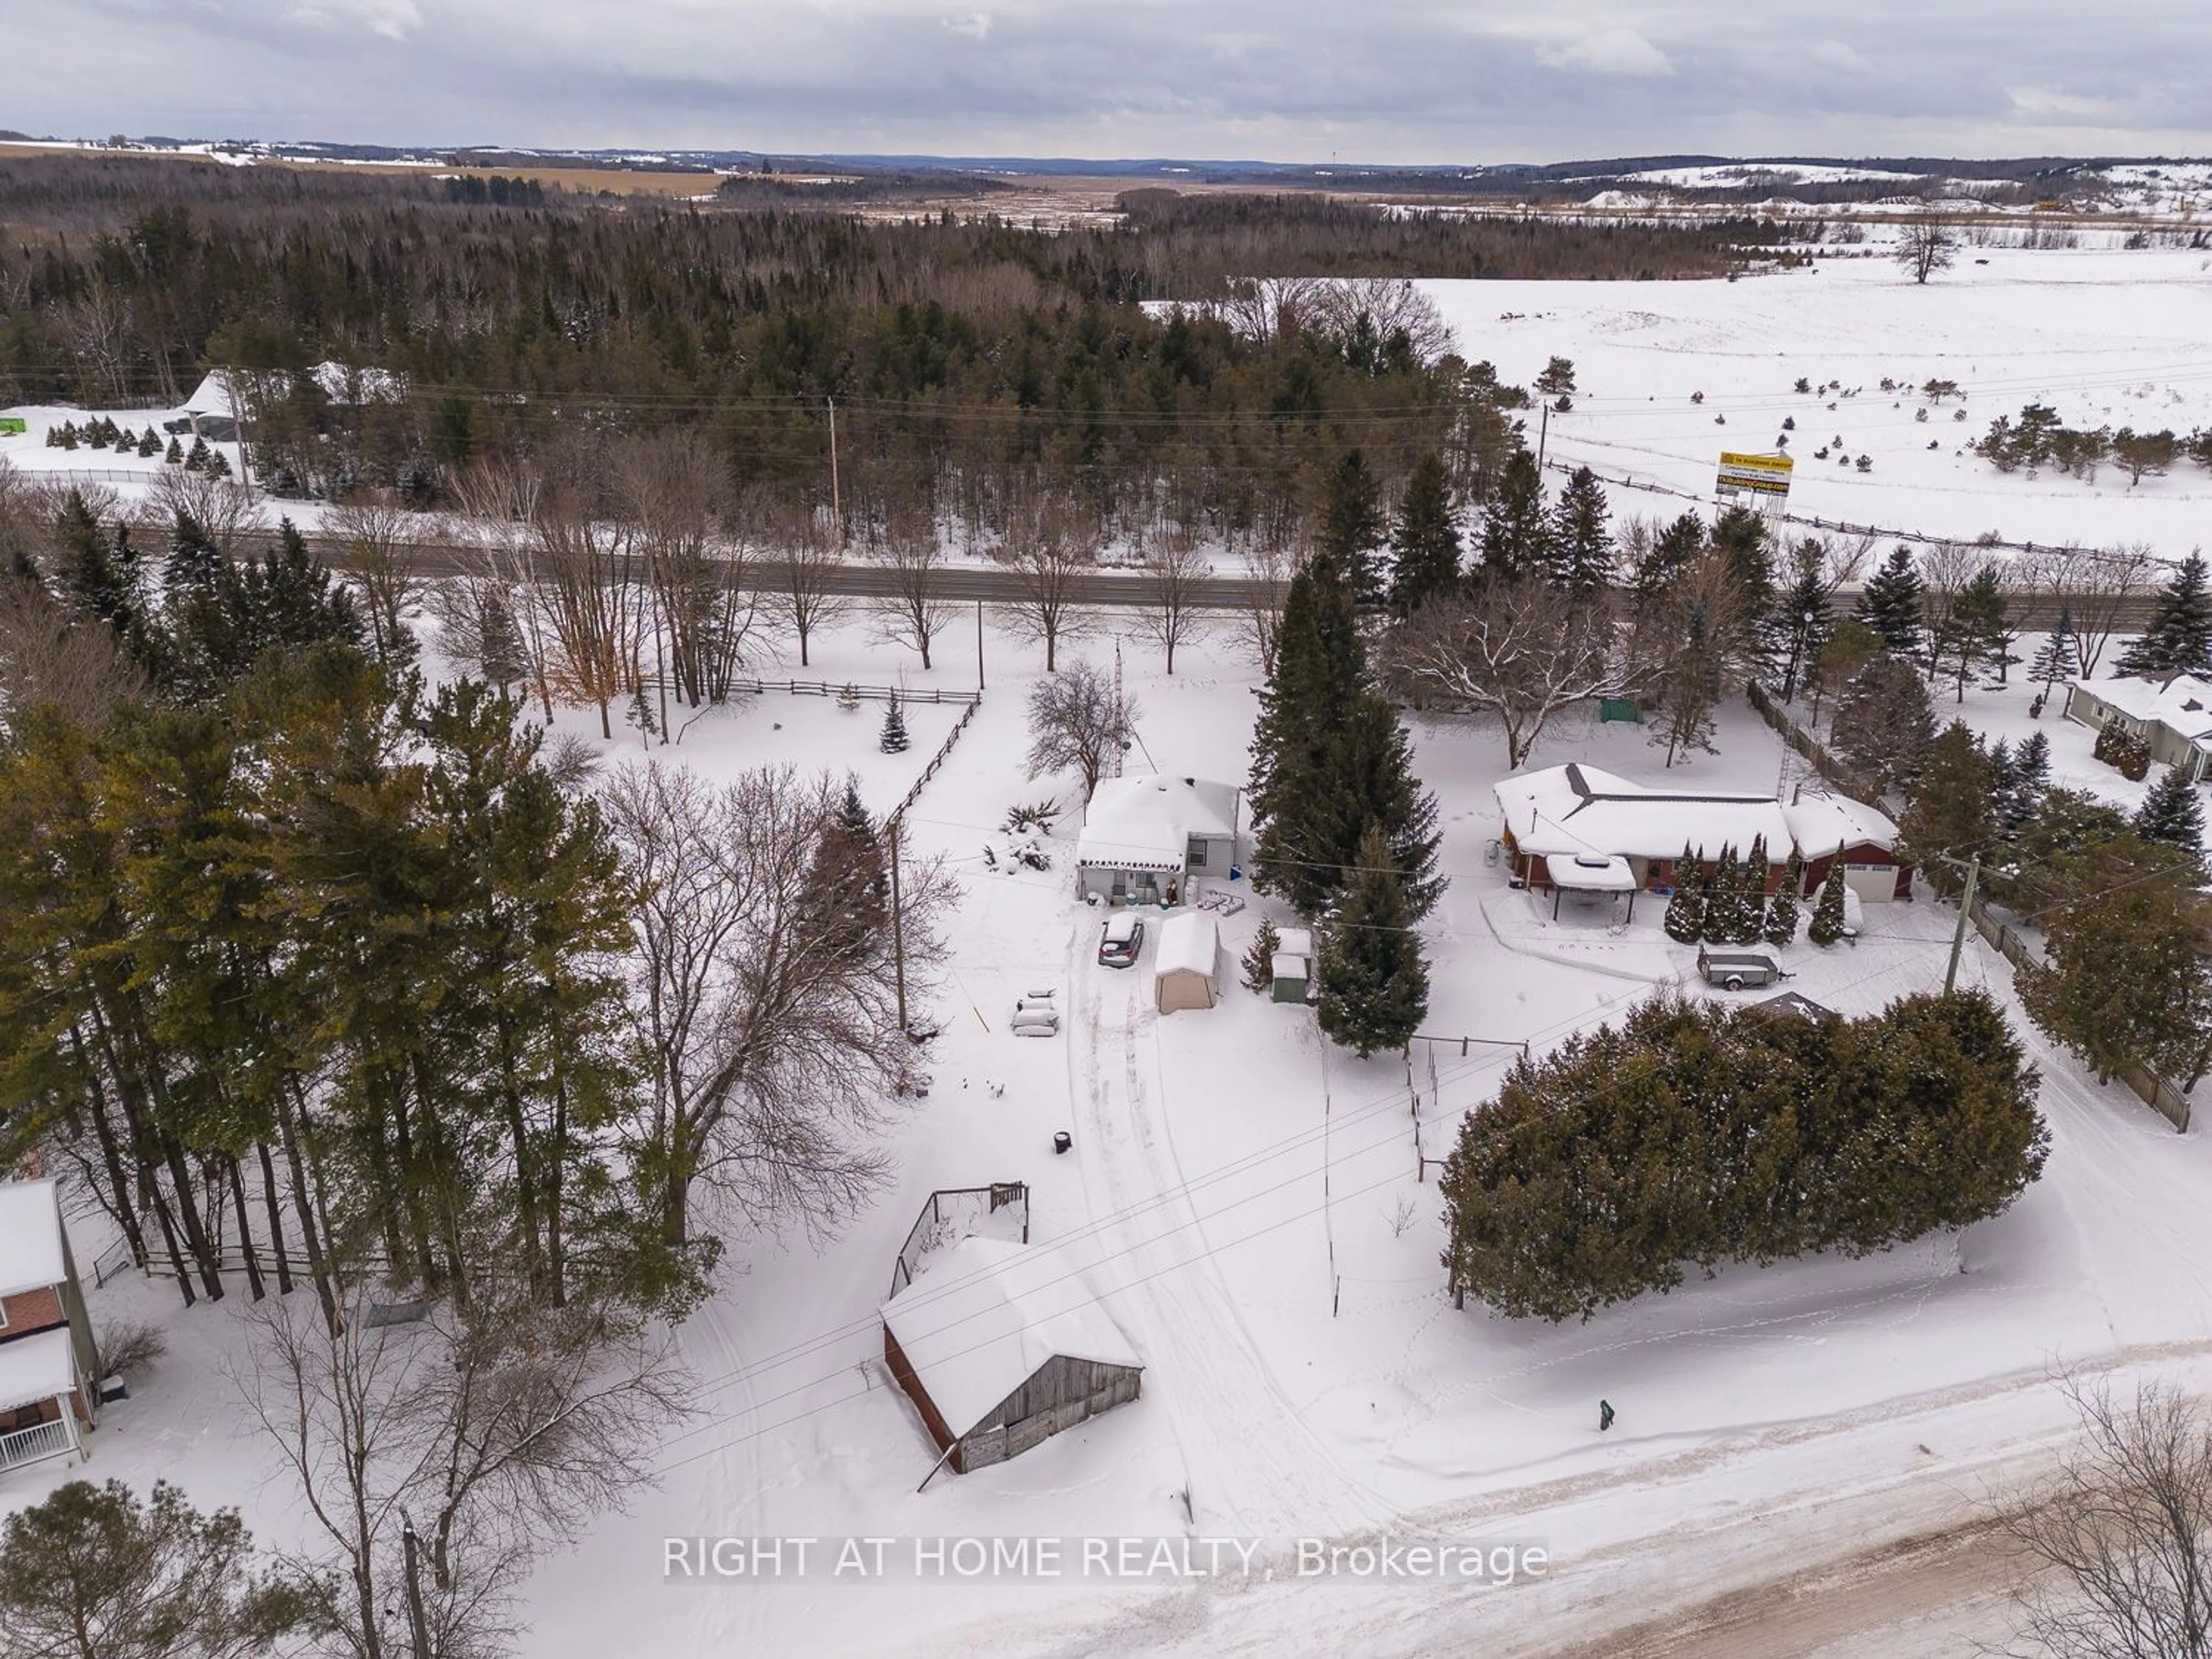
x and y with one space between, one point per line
1760 475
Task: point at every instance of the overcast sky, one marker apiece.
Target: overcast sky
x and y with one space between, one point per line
1399 81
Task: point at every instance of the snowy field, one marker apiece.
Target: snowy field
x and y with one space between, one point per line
2107 337
1250 1206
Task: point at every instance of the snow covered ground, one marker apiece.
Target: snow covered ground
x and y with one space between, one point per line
1250 1204
2108 337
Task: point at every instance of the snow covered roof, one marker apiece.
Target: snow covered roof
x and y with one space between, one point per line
31 1256
1822 823
1573 809
1190 943
1593 872
977 1322
35 1367
1288 964
2180 701
1146 823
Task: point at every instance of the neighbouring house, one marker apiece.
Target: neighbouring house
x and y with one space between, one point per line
1186 966
47 1360
2172 716
1001 1346
1149 840
1577 827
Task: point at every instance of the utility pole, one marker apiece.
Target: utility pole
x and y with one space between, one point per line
1966 910
1543 437
237 427
1121 724
418 1622
898 929
979 644
836 500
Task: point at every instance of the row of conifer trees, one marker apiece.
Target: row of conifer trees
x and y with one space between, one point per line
1725 901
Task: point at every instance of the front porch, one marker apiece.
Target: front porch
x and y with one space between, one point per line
37 1376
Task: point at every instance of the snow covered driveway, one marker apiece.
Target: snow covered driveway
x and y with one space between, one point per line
1255 1469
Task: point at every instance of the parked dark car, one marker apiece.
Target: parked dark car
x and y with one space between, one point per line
1119 941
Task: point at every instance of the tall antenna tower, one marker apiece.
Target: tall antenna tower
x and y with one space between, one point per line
1121 726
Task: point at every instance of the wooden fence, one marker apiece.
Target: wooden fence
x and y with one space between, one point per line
2160 1096
898 812
870 692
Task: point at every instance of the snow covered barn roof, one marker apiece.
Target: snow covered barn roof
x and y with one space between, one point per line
30 1255
1564 810
1823 823
2180 703
979 1320
1146 823
36 1368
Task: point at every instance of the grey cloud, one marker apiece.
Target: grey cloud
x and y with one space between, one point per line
1398 79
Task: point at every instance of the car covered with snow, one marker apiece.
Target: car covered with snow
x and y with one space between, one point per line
1120 939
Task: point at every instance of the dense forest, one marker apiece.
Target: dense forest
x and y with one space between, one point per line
973 363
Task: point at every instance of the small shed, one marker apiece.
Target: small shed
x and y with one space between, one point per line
1290 975
1001 1346
1186 968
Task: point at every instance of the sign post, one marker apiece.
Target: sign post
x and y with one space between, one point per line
1766 476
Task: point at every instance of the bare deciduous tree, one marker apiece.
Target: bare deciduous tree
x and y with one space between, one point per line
1268 567
2096 585
770 1030
1372 313
1049 552
673 491
2123 1532
585 586
803 585
913 609
1077 723
225 509
1170 615
1924 247
376 546
499 502
502 1433
1518 650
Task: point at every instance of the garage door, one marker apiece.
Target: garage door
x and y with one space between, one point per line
1874 883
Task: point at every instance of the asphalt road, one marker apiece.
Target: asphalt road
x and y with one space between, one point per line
967 583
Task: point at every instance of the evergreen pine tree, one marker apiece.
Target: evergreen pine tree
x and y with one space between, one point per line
68 439
1828 923
1516 532
175 455
1955 807
1802 621
218 464
846 902
1374 983
2172 813
499 652
95 436
149 443
2030 778
1977 632
196 458
1352 527
1731 916
1320 671
1754 893
893 738
2178 640
1883 724
1425 551
1259 959
638 713
1367 779
1581 543
1890 605
2060 657
848 696
1684 922
1671 552
1780 927
1741 539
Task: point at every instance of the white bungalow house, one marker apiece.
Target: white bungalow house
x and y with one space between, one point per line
47 1353
1146 841
1574 827
2172 716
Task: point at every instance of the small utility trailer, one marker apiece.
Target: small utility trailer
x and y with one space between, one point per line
1731 970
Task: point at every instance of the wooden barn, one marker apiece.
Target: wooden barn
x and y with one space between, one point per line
1002 1346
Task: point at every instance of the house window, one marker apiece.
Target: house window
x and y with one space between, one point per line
1193 853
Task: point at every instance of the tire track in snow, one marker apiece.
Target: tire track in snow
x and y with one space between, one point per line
1255 1469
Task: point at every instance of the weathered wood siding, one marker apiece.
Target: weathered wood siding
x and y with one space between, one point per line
1062 1393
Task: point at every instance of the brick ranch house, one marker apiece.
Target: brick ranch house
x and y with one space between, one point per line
47 1352
1576 827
